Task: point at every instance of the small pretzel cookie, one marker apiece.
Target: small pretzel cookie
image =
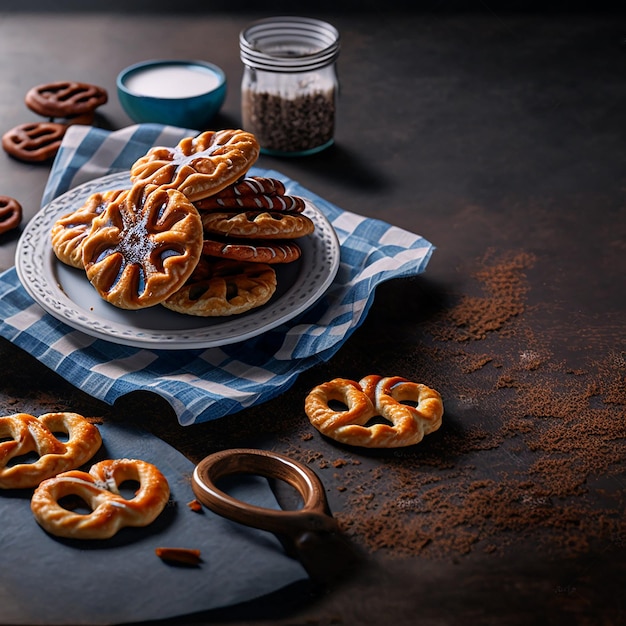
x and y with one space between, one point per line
100 491
199 166
34 141
10 214
66 99
143 246
69 231
392 398
230 288
22 434
270 252
252 224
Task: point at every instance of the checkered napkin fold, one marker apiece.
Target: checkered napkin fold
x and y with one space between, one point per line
205 384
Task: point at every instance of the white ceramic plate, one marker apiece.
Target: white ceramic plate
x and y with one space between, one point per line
66 294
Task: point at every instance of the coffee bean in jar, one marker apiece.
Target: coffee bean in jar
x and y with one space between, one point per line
289 86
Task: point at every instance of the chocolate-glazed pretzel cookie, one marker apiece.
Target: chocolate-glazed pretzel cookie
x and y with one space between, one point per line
34 141
270 252
259 202
253 192
253 186
10 214
65 99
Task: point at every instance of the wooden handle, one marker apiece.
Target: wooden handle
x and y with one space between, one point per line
314 515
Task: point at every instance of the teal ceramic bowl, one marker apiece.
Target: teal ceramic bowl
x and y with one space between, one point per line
175 92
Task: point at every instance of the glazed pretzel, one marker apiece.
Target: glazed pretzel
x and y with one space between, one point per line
24 434
10 214
99 489
372 396
34 141
199 166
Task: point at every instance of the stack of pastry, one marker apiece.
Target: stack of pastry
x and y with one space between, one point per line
194 233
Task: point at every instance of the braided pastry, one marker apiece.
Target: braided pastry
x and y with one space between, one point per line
69 231
199 166
143 247
224 287
375 396
99 489
22 434
251 224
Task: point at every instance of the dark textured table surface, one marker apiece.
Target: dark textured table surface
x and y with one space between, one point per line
501 139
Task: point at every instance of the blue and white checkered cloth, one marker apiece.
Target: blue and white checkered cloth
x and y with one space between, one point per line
204 384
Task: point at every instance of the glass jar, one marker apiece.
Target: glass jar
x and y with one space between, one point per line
290 85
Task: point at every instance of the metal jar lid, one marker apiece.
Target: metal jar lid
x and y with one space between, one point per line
289 44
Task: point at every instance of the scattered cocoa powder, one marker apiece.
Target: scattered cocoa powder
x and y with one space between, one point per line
550 437
503 298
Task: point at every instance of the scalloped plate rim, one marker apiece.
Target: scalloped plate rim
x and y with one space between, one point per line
321 257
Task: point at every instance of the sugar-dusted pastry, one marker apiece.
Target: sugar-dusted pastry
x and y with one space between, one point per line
69 231
22 434
410 410
199 166
99 489
143 246
223 287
